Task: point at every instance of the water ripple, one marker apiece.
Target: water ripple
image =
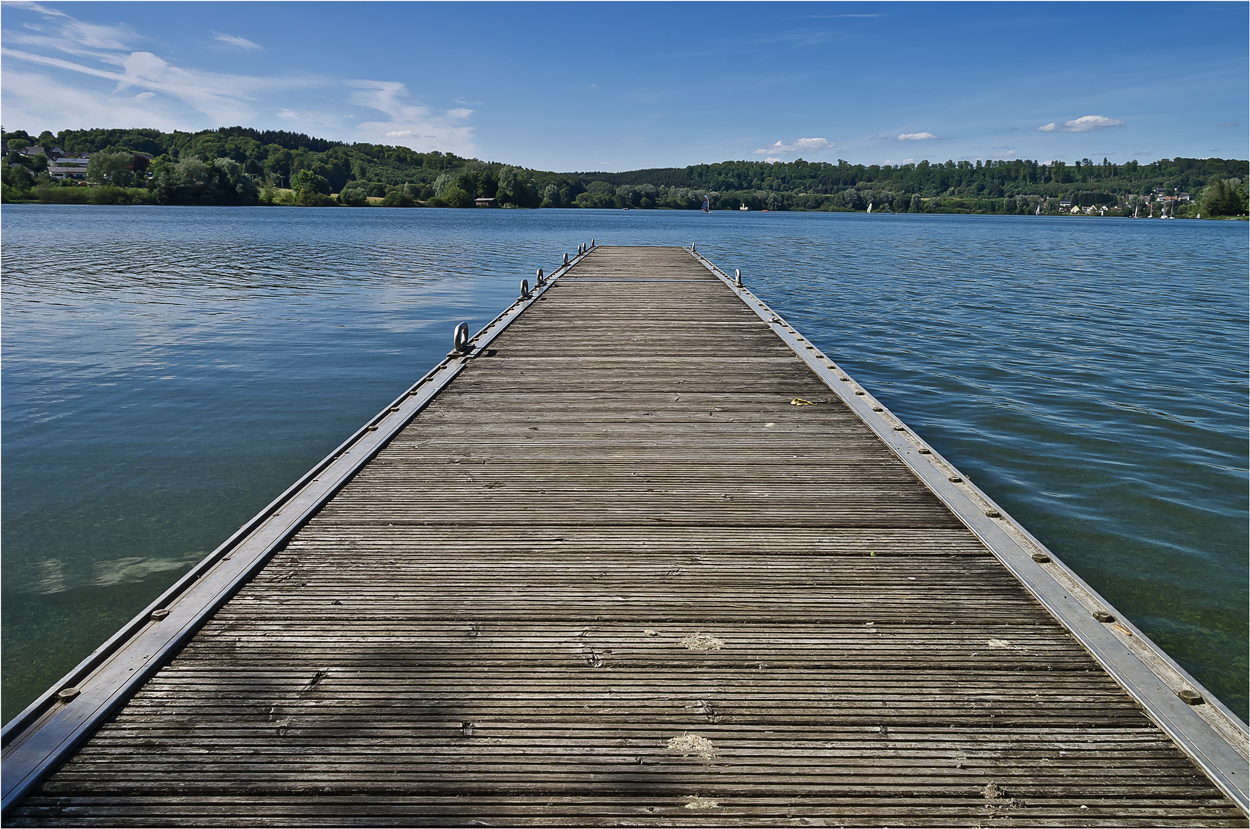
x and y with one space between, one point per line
186 364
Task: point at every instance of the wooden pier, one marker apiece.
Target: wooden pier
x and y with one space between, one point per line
637 553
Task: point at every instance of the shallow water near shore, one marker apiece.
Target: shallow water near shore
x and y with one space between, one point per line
168 371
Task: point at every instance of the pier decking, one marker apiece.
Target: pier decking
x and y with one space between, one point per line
641 555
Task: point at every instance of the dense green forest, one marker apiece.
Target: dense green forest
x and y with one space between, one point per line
240 165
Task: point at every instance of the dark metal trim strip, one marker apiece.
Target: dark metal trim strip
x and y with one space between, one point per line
1212 735
56 723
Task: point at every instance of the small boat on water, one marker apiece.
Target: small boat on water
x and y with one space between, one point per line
744 206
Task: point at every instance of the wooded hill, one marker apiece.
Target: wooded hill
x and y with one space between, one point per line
240 165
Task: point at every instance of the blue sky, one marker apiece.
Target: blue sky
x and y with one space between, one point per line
576 86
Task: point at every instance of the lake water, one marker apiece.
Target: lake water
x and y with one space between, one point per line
168 371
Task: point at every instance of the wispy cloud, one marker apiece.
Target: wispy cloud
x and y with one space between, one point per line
305 118
236 41
109 53
795 146
56 57
38 8
409 123
60 32
916 136
801 37
26 96
1086 123
223 98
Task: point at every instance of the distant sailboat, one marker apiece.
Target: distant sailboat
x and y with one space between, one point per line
1038 212
869 207
744 206
706 204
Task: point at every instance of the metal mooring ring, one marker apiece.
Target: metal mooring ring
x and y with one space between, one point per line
540 277
525 289
738 277
461 338
566 258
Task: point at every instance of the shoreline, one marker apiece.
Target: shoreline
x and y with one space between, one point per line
375 203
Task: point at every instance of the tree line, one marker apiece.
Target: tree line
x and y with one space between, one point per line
241 165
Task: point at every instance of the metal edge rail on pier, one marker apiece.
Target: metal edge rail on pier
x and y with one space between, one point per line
1202 726
41 736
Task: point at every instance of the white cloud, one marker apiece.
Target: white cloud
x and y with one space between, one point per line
27 97
772 160
77 75
916 136
234 40
796 146
305 119
220 99
62 33
799 37
1085 123
411 124
35 7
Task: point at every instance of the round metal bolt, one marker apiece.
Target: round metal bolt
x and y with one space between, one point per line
993 513
157 615
861 392
1041 558
1190 696
955 479
877 409
924 451
371 428
900 428
1103 616
67 694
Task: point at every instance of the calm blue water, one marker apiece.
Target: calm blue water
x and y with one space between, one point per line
168 371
